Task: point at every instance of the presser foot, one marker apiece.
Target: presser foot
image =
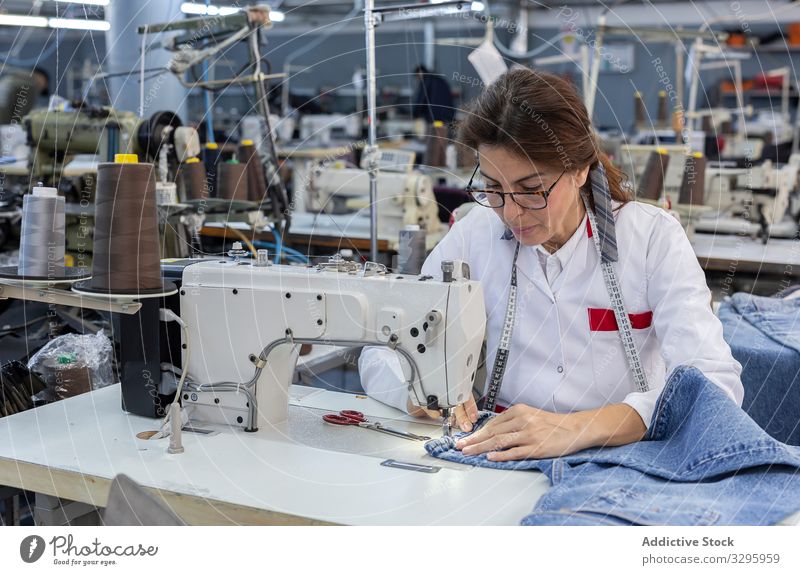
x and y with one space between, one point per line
447 423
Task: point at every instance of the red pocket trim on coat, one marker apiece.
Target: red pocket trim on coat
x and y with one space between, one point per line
604 320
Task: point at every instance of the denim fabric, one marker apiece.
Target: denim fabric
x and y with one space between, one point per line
778 318
764 336
703 461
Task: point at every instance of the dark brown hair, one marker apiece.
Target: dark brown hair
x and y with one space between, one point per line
539 116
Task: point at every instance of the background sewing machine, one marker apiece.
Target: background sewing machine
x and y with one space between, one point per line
321 129
753 200
56 136
333 199
243 322
396 127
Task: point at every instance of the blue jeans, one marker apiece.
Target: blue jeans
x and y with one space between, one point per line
764 335
703 461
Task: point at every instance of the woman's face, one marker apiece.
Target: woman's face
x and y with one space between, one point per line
505 171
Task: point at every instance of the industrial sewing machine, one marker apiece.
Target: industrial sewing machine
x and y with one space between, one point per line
335 199
322 128
393 128
754 198
56 136
244 323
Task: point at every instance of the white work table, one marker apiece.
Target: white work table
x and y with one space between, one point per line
727 252
303 472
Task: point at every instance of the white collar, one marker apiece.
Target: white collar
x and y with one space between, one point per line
565 252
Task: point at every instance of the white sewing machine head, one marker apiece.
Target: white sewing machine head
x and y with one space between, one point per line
323 128
331 199
753 192
244 323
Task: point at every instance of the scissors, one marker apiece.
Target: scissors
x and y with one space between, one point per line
352 417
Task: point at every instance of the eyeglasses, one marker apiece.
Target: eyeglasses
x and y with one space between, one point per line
490 199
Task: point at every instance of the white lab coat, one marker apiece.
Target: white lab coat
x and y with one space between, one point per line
564 354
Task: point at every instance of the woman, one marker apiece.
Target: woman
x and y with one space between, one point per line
553 209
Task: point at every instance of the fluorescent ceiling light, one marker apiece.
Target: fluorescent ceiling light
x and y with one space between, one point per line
198 9
11 20
203 10
79 24
90 2
41 22
191 8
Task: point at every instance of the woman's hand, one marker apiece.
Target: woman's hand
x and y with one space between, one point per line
466 414
525 432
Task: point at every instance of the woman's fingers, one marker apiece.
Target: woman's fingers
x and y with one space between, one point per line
521 452
472 409
494 427
462 419
485 437
466 415
495 443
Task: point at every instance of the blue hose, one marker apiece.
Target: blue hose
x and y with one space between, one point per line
278 244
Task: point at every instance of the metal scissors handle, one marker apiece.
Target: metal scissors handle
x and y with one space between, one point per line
352 417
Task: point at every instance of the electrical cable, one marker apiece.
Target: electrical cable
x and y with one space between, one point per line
278 244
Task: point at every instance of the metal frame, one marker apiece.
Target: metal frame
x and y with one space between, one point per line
699 51
249 388
372 18
241 26
643 32
69 298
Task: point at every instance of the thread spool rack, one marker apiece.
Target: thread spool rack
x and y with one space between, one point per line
36 291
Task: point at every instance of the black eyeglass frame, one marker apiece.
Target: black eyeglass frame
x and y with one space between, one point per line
544 193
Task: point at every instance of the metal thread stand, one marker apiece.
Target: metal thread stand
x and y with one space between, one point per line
372 17
370 23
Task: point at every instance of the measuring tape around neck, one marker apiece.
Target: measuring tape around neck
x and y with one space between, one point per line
617 303
501 359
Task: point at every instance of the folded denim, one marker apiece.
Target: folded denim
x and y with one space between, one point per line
764 334
776 317
703 461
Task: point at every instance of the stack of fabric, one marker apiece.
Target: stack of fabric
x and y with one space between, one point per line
764 335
